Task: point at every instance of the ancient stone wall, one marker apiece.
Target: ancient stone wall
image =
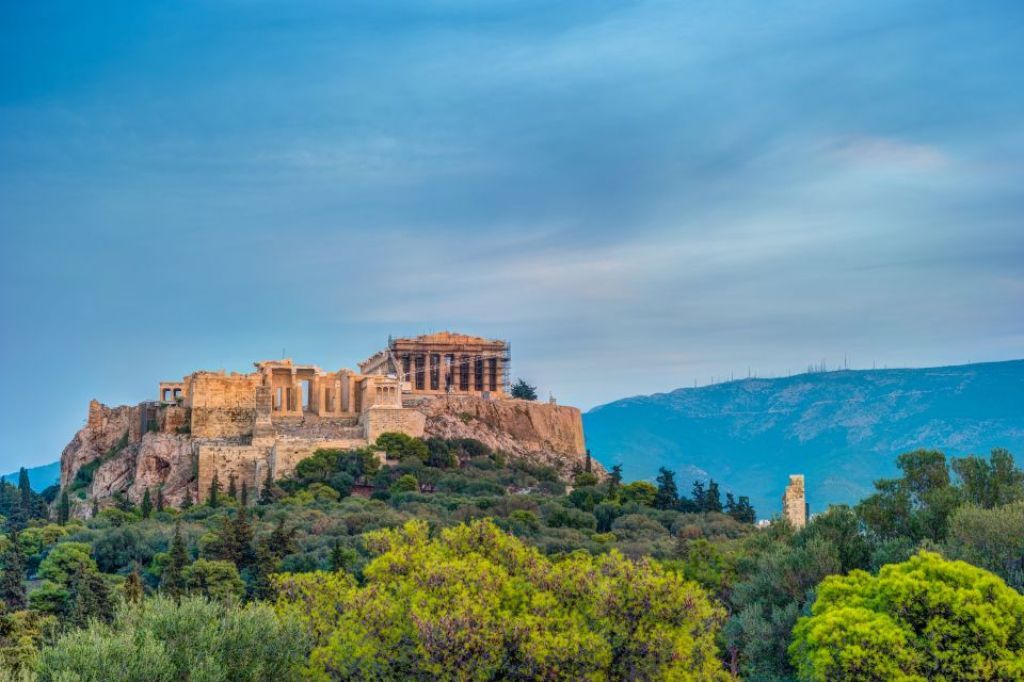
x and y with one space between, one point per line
794 502
223 406
287 454
246 462
382 419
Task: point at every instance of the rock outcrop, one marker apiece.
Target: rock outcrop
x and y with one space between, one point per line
131 449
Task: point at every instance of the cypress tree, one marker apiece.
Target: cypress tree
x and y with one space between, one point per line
88 597
245 494
95 508
282 541
667 496
698 494
232 489
587 465
160 499
614 481
12 580
214 499
133 586
173 579
187 502
267 494
243 540
712 501
25 488
264 566
147 505
64 508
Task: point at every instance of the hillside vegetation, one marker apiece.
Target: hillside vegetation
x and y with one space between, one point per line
456 562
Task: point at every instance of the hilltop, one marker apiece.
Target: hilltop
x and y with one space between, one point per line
842 429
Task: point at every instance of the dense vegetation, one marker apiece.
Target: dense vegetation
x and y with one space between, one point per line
455 562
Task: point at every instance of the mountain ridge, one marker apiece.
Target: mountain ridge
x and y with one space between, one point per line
843 428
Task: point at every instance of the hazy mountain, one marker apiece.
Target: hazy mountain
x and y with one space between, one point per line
39 477
841 429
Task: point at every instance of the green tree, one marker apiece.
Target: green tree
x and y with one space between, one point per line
160 502
88 598
173 579
406 483
160 640
614 481
478 604
923 619
147 505
186 503
232 487
12 579
523 390
214 498
991 483
712 498
245 494
992 539
217 580
25 489
667 496
401 446
267 495
63 508
263 568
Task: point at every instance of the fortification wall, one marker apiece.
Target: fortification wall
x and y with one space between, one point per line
223 406
381 419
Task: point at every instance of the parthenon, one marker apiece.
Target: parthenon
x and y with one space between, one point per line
444 362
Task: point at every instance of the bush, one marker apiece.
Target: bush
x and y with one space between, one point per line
159 641
926 618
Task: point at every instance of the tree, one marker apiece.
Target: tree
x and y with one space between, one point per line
88 598
95 508
698 495
232 488
267 492
991 483
925 618
262 585
469 601
147 505
214 499
667 496
614 481
282 540
216 580
12 580
400 446
25 489
160 640
160 502
406 483
186 503
133 586
173 579
523 390
63 508
245 494
712 498
992 539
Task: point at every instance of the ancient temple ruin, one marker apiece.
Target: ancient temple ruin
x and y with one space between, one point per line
244 425
794 502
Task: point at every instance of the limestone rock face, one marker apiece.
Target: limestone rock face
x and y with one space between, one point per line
105 427
540 432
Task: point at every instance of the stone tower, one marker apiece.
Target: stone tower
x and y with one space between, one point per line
794 502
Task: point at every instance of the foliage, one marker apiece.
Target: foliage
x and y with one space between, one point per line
217 580
924 619
476 603
161 641
523 390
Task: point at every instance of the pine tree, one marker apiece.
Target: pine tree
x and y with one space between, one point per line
614 481
95 508
712 500
187 502
88 597
173 579
264 566
588 464
245 494
267 493
147 505
160 502
232 489
63 508
25 488
12 580
744 511
244 536
699 496
214 499
667 496
730 505
282 540
133 586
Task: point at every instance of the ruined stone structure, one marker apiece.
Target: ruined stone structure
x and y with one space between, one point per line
244 426
794 502
444 363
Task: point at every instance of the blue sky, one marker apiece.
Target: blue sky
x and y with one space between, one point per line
639 195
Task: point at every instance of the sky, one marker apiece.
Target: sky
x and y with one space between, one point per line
638 195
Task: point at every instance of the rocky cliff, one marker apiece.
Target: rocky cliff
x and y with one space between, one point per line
129 449
543 433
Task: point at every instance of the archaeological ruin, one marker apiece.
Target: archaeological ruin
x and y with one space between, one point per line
794 502
244 426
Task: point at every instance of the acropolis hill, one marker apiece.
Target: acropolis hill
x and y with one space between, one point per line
243 426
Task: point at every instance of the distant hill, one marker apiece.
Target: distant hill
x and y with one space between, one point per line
841 429
40 477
